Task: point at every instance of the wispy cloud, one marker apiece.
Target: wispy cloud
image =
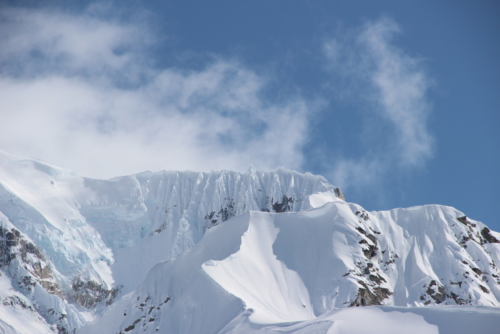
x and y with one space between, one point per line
78 91
393 86
81 91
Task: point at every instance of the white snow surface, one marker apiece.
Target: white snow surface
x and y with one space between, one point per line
283 298
295 272
226 252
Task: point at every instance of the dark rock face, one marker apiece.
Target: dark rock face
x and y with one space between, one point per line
28 267
360 230
339 194
477 270
370 252
475 234
464 220
8 240
13 245
12 238
30 248
150 312
372 238
486 234
363 215
88 294
438 293
369 249
367 296
228 211
376 278
282 206
485 289
458 300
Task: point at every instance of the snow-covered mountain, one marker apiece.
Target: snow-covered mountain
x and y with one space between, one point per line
226 252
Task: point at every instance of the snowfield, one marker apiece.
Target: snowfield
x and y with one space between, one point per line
226 252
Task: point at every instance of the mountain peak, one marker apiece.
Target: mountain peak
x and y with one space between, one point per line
156 250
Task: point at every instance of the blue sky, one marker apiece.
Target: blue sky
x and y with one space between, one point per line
397 102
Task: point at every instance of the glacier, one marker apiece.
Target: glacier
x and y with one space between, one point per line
228 252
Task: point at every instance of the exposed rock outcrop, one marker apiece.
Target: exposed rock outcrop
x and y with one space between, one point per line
282 206
339 194
90 293
13 246
370 296
436 292
486 233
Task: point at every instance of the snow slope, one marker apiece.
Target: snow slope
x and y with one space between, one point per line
384 320
262 269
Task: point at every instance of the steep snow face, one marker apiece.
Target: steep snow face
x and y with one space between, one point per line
44 203
100 238
172 210
303 266
443 256
283 297
416 256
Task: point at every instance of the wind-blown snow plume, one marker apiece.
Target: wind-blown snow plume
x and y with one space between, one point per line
394 87
80 91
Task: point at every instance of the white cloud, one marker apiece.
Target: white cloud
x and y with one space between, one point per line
393 86
77 92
